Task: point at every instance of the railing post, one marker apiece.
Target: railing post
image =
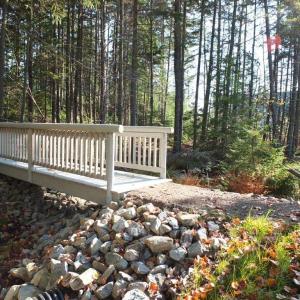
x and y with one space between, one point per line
163 155
110 164
29 153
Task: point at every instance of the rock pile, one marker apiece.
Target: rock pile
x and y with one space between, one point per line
123 251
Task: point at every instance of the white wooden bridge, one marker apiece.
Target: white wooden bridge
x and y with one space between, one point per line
94 162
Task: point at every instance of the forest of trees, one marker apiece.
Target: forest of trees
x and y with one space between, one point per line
135 63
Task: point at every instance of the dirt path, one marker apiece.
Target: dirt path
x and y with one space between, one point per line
235 204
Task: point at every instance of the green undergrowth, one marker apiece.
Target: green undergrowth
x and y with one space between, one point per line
260 261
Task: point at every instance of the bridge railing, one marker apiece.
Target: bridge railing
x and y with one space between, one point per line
89 150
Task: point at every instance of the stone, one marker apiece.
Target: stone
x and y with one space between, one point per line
131 255
99 266
125 276
104 291
106 214
212 226
41 278
159 269
155 225
69 249
87 224
127 213
105 247
195 249
117 260
164 228
136 229
28 291
173 222
120 225
12 292
20 273
161 259
188 219
148 207
157 278
215 243
140 285
57 251
201 234
95 245
140 268
31 269
107 273
101 228
84 279
158 244
79 242
58 268
135 294
119 288
186 238
178 254
113 205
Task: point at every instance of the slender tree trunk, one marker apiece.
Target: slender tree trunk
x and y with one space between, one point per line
120 65
209 77
103 104
198 76
151 66
68 106
133 81
228 72
251 84
2 58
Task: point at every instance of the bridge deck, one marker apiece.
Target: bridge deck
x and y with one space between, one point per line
85 187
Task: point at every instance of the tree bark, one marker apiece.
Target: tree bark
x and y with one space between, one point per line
2 58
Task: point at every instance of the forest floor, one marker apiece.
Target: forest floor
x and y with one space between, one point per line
195 198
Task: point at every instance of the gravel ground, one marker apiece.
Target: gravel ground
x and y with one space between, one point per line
195 198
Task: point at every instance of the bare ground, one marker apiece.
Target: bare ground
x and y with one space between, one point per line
234 204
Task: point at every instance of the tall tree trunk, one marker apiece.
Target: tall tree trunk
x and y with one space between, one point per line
228 72
251 84
198 76
133 81
151 65
2 58
78 65
68 104
120 65
209 77
103 104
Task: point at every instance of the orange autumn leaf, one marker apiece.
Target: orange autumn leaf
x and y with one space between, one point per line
153 288
271 282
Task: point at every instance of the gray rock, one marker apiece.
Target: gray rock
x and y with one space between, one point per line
20 273
12 292
117 260
164 228
158 244
127 213
80 242
57 251
125 276
178 254
196 248
155 225
87 224
107 273
99 266
136 229
101 228
84 279
186 238
131 255
173 222
188 219
95 245
215 243
201 234
28 291
139 285
120 225
104 291
161 259
148 207
140 268
135 294
212 226
58 268
41 278
159 269
158 278
106 214
105 247
119 288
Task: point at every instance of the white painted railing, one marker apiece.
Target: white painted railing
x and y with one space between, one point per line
89 150
142 148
